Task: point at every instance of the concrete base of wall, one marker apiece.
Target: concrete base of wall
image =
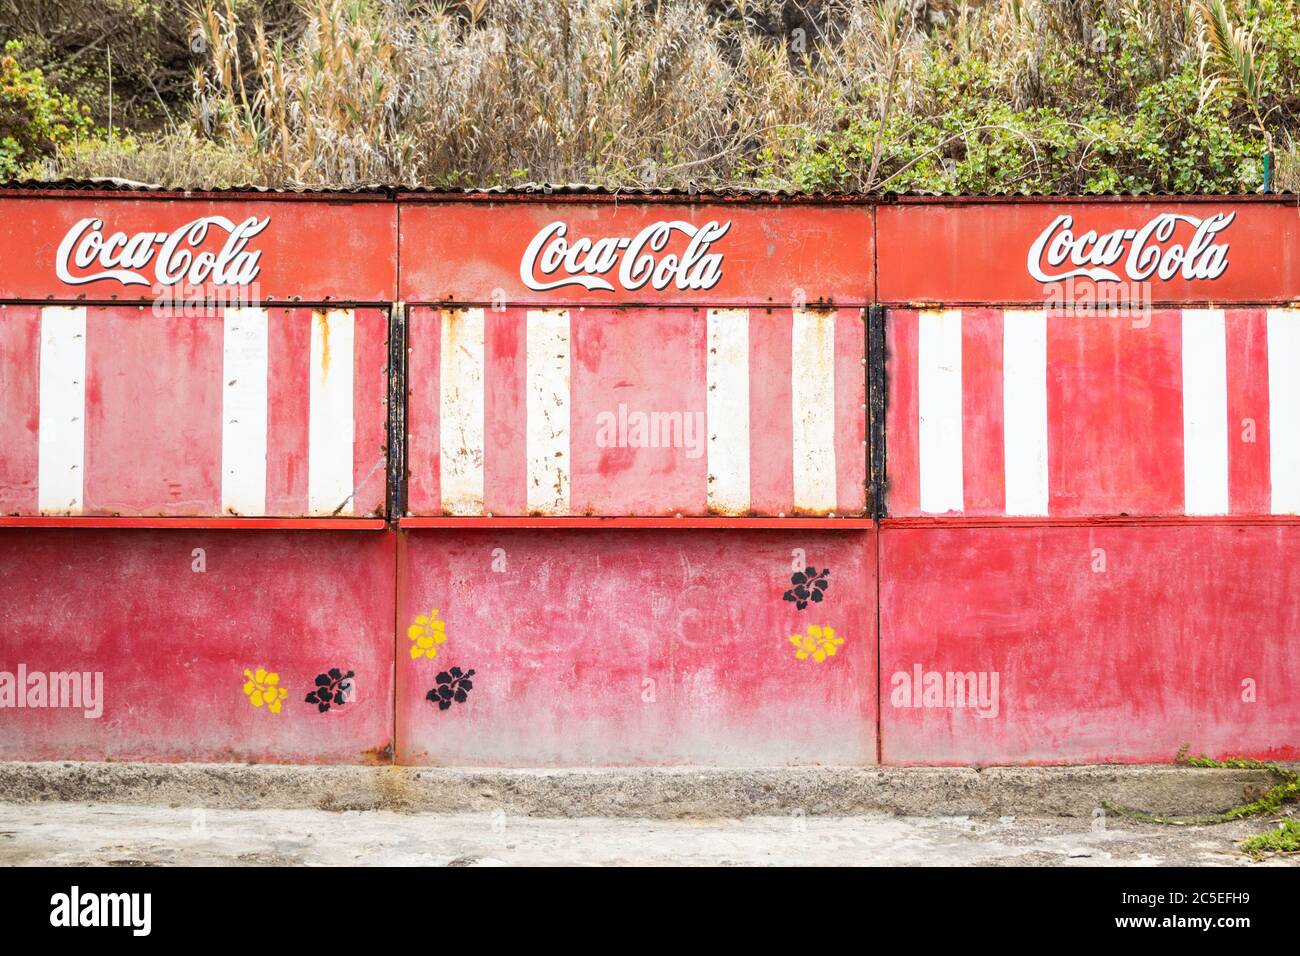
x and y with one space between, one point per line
662 793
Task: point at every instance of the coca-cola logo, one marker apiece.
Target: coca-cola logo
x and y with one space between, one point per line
634 260
1148 252
175 256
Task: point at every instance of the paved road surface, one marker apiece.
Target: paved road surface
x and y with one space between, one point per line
81 834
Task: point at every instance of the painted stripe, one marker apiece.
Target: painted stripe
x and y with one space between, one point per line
548 402
424 412
851 412
288 410
902 454
370 407
62 443
20 408
939 400
1284 409
812 395
505 419
1248 484
771 441
727 376
983 425
460 436
1205 412
244 412
331 429
1024 410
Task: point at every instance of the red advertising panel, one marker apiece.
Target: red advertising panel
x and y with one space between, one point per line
69 247
588 253
1074 252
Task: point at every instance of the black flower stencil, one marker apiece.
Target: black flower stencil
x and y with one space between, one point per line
808 586
453 686
334 687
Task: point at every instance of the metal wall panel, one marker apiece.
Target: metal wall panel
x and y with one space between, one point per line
173 626
73 247
590 253
1023 413
241 412
637 411
1221 249
1088 644
635 647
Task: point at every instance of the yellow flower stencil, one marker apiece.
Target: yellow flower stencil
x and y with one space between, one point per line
819 643
427 632
263 689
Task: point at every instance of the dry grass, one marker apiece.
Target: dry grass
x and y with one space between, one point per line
664 92
178 159
621 92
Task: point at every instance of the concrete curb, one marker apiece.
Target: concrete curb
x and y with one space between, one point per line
662 793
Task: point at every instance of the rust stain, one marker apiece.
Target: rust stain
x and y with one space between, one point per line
323 319
378 756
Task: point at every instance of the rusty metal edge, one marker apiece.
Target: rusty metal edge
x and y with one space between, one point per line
876 409
397 377
634 522
191 523
1011 523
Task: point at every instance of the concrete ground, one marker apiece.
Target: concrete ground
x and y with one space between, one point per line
79 834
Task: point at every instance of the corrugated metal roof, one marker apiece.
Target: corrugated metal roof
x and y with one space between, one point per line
534 190
114 184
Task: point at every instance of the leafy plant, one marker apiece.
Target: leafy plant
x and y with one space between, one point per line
1286 790
1285 839
34 119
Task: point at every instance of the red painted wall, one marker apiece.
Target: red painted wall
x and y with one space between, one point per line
173 643
1110 643
637 647
1097 506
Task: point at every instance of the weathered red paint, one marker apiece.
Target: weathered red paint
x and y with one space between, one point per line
1121 621
309 251
153 437
1112 643
611 369
172 643
646 647
773 254
974 252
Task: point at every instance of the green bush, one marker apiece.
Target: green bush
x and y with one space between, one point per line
1131 104
34 119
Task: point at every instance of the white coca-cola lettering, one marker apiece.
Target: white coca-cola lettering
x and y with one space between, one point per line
1148 253
639 259
122 258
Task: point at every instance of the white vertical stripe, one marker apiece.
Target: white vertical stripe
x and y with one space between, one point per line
1024 410
1205 412
243 412
62 430
1284 409
812 391
460 432
939 398
728 410
548 411
331 429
